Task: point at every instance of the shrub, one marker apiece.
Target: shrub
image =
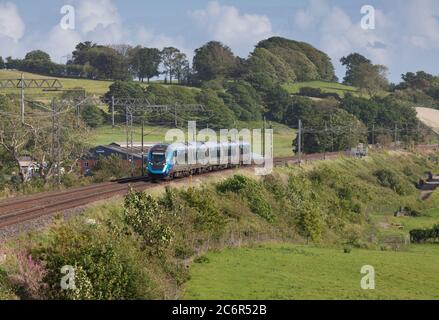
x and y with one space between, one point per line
106 266
143 214
389 179
310 92
309 219
26 275
424 235
252 192
207 216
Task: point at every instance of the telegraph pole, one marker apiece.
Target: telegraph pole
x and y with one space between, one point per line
373 134
132 146
143 156
175 115
56 127
263 139
299 141
22 98
112 111
326 136
126 130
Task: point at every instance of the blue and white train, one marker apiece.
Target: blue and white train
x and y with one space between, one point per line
167 161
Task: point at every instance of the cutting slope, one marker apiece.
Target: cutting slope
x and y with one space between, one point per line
429 117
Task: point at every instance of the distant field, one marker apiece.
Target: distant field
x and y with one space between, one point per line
94 87
328 87
302 272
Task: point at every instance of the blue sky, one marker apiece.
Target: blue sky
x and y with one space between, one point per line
405 38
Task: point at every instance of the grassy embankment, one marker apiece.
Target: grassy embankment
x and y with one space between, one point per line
335 206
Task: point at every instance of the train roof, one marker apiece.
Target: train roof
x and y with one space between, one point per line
209 144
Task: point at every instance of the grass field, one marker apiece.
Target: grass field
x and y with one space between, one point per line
284 271
390 225
327 87
94 87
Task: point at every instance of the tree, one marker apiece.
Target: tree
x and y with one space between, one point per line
2 63
265 62
277 100
370 78
420 80
35 137
351 62
325 129
144 62
170 59
37 55
112 167
100 62
124 89
92 115
221 117
181 67
213 60
247 99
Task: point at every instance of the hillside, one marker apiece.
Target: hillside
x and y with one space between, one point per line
245 237
94 87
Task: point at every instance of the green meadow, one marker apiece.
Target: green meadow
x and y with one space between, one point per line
325 86
284 271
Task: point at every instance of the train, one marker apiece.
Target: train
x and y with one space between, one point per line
168 161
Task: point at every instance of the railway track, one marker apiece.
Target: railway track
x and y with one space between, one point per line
20 209
26 208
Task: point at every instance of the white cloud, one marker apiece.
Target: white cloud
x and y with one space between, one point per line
226 24
96 14
99 21
339 35
60 43
403 33
11 24
310 15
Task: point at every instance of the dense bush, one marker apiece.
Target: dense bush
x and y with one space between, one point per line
106 265
252 192
390 179
418 235
148 219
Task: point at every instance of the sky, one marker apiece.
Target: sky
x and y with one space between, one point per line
405 37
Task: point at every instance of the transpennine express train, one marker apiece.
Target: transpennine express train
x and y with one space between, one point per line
167 161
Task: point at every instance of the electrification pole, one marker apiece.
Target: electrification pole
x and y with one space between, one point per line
143 156
299 141
112 111
22 98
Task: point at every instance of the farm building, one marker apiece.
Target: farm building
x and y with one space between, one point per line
127 154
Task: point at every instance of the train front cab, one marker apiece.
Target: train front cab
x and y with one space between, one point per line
159 165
